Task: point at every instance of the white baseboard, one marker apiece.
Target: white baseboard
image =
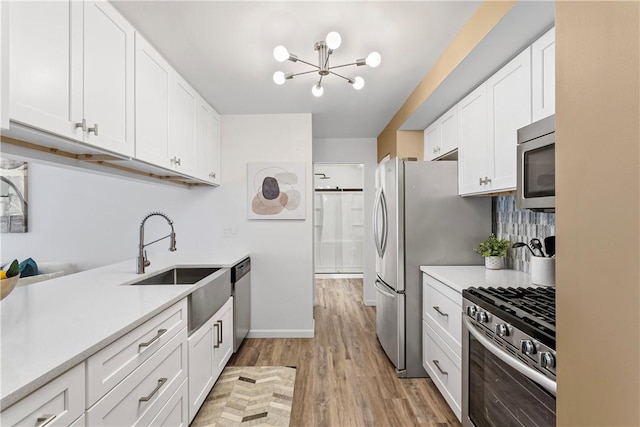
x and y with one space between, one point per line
370 303
280 333
339 275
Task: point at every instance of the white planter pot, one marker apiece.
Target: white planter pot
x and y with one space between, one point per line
493 262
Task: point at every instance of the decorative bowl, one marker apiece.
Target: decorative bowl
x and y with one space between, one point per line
7 285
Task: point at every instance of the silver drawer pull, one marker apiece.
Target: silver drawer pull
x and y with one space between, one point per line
217 344
94 129
161 382
152 340
220 331
45 419
436 308
435 362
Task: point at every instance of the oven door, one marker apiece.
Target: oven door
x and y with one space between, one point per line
498 389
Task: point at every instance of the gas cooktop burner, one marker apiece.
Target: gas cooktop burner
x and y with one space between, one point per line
532 310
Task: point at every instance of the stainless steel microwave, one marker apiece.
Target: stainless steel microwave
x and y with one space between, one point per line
536 186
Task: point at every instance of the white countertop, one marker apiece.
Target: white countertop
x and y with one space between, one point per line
459 277
51 326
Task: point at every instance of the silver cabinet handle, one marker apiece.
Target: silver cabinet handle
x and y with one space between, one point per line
83 125
481 181
217 344
443 372
220 331
94 129
44 420
152 340
212 175
178 161
487 180
436 308
161 382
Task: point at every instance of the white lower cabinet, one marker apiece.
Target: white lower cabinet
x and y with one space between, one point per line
210 348
58 403
138 399
80 422
441 338
175 412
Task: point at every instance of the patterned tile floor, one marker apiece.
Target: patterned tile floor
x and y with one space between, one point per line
249 396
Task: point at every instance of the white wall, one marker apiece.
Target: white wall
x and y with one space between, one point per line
356 150
281 250
338 175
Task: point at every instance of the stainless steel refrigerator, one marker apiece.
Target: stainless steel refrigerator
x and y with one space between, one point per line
418 219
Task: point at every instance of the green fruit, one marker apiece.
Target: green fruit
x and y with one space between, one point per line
14 269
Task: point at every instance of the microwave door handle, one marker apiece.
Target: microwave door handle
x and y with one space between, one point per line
376 237
528 372
385 223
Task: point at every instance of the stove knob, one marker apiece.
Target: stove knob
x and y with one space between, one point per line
527 347
547 360
471 310
482 317
502 330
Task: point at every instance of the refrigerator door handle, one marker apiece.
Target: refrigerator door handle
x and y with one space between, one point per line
385 224
380 289
376 237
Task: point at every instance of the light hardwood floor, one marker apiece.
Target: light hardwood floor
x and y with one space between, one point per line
343 376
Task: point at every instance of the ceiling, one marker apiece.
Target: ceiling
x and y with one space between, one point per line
224 49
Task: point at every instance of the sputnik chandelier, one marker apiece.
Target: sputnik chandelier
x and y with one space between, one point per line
324 48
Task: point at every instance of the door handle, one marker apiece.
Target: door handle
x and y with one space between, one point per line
217 326
383 291
376 237
220 331
94 129
385 223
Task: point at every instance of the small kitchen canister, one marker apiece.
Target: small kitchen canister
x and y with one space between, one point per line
543 271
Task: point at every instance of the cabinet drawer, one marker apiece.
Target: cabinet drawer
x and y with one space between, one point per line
112 364
443 367
61 401
442 309
175 412
139 398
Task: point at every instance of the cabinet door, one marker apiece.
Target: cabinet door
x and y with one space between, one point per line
45 62
4 65
213 150
432 141
152 105
207 142
473 156
182 126
509 97
108 78
201 365
223 327
449 131
543 76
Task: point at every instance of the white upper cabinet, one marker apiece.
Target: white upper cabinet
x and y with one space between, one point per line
153 76
509 99
543 76
473 155
442 136
182 126
4 65
207 142
72 72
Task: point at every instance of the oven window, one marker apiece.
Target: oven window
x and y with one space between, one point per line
500 396
539 172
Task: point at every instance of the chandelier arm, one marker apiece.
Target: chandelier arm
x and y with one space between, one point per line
343 65
308 63
305 72
349 79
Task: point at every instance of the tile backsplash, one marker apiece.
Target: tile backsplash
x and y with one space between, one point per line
520 225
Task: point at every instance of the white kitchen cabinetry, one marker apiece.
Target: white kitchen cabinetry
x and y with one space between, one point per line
58 403
112 364
182 126
441 339
72 72
489 119
210 348
4 65
175 412
441 138
543 76
207 142
153 77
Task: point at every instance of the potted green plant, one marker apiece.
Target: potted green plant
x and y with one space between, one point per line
493 249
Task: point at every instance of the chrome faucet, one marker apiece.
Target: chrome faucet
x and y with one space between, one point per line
142 260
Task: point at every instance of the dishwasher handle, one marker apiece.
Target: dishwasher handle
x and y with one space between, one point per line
240 269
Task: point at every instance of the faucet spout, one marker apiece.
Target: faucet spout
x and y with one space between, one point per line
142 260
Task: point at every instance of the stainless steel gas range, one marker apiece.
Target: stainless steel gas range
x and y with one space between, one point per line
509 357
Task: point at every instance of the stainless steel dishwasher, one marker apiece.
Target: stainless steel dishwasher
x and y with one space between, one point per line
241 292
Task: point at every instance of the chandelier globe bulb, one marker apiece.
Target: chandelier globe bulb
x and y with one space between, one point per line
333 40
280 53
373 59
317 90
278 77
359 83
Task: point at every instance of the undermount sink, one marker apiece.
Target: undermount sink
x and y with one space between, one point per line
178 276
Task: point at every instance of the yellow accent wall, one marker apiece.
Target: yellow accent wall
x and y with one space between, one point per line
489 13
598 212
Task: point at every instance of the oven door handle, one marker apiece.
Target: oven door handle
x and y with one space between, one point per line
528 372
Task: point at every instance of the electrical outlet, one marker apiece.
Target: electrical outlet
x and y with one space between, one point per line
230 232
